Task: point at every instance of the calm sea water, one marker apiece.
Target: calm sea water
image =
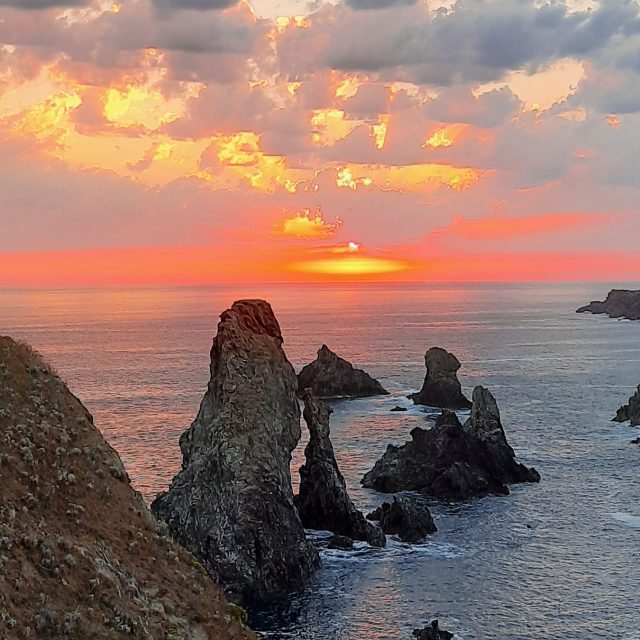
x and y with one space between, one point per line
556 560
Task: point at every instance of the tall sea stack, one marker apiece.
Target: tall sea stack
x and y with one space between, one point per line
232 504
323 501
441 387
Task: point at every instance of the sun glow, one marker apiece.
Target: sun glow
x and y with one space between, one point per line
354 265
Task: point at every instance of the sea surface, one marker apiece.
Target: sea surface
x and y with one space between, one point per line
559 559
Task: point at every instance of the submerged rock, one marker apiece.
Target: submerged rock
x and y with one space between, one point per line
408 518
81 556
330 376
441 387
620 303
398 408
630 411
343 543
432 632
323 501
453 462
231 504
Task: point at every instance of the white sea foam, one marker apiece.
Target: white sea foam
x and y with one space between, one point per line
629 521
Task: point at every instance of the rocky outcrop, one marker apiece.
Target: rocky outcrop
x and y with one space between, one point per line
408 518
81 556
620 303
323 501
231 504
453 462
441 387
344 543
432 632
330 376
630 411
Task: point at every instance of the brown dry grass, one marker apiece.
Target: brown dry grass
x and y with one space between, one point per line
81 556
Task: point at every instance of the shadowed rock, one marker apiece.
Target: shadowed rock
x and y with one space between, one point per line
323 501
81 556
441 387
343 543
631 411
453 462
408 518
231 504
432 632
620 303
330 376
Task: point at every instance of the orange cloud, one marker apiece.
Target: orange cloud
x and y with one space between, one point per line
306 225
496 227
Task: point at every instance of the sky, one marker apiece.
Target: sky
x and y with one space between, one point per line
204 141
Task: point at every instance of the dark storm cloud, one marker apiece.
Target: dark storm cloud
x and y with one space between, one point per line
43 4
477 41
200 5
368 5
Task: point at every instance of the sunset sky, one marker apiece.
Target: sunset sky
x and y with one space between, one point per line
197 141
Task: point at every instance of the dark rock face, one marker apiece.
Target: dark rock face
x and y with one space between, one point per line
232 504
432 632
323 502
630 411
330 376
620 303
453 462
340 542
408 518
441 387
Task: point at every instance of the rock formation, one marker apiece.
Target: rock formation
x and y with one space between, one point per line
330 376
343 543
631 411
408 518
441 387
323 501
81 556
432 632
620 303
453 462
231 504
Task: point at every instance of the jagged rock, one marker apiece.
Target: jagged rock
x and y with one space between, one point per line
432 632
343 543
323 502
441 387
408 518
231 504
330 376
630 411
620 303
398 408
453 462
81 556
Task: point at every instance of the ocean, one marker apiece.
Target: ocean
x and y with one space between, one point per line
559 559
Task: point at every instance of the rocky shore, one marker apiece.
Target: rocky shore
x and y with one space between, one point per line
451 461
323 502
232 505
330 376
441 387
630 412
81 556
620 303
